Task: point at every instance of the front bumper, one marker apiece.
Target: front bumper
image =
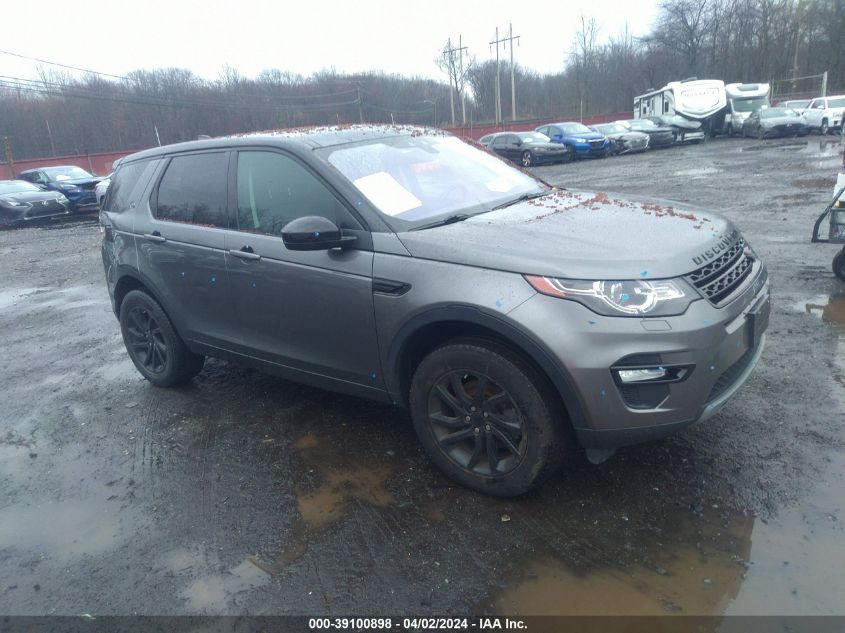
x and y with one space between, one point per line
591 150
715 342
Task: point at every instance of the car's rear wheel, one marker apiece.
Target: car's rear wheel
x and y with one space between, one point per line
487 418
839 265
155 348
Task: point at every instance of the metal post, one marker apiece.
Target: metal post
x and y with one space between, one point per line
463 92
824 84
513 85
360 108
7 144
498 85
50 134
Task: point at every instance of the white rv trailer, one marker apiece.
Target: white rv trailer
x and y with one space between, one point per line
743 99
701 100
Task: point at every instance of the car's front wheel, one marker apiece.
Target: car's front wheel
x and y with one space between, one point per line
155 348
487 418
527 159
824 129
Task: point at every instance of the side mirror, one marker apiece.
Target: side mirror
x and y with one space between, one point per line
314 233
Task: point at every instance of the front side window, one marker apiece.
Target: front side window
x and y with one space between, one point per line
193 190
274 189
416 180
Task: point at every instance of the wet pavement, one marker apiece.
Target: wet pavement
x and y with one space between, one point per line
245 494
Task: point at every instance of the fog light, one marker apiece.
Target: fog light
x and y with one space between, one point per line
641 375
651 374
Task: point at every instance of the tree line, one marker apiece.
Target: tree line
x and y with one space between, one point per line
62 113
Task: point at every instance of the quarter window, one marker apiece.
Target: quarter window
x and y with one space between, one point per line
274 189
193 190
123 183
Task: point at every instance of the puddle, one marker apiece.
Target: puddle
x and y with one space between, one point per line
830 309
64 529
814 183
701 172
214 593
698 571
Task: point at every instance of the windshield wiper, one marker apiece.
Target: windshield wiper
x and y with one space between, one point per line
522 198
457 217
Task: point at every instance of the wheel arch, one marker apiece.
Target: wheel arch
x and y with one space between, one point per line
429 330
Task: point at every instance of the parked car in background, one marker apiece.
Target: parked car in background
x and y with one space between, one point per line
581 140
799 105
101 189
76 184
825 113
658 135
528 148
684 130
622 140
21 201
768 122
403 265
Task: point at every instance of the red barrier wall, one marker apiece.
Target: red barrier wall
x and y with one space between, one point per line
99 164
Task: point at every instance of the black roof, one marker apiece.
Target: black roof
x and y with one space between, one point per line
306 137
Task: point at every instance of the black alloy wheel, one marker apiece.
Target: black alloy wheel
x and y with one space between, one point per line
156 349
476 423
145 340
839 265
824 129
527 158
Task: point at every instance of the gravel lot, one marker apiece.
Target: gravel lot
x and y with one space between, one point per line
245 494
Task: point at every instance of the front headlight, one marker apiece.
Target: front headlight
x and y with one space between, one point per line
68 187
661 297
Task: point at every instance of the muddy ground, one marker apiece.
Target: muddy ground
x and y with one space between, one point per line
242 493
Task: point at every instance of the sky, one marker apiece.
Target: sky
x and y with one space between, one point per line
397 37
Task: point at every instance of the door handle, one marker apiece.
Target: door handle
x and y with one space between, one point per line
155 236
246 252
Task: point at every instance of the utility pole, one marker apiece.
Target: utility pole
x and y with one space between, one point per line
360 107
511 38
50 134
462 48
498 115
506 41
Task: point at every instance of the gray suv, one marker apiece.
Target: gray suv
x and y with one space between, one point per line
513 319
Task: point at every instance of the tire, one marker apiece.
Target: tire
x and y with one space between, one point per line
731 132
839 265
503 444
157 351
760 135
527 159
824 129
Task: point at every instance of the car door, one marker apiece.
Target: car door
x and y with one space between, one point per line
500 145
513 147
308 311
814 112
181 246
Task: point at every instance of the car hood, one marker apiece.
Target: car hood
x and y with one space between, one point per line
586 136
579 235
79 182
661 129
782 120
32 196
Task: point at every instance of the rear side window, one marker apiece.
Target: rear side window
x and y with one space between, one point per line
127 184
193 190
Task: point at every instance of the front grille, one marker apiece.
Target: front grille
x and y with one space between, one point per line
41 210
731 375
596 143
721 277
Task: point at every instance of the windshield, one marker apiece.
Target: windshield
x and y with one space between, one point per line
415 180
575 128
749 105
533 136
16 186
773 113
66 173
839 102
796 104
611 128
639 124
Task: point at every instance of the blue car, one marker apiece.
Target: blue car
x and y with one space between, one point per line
583 141
76 184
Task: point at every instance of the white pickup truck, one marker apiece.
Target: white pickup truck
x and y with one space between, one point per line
825 113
